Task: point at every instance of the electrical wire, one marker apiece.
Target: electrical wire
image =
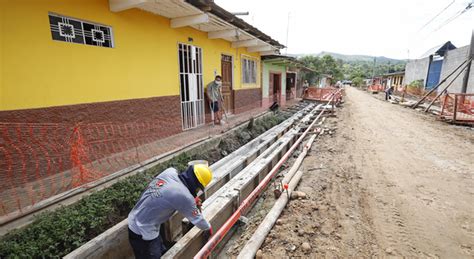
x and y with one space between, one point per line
444 9
455 16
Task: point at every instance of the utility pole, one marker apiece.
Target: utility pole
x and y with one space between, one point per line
468 68
287 32
373 70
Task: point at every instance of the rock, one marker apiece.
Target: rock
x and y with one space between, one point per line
302 195
259 254
389 250
306 247
300 232
290 247
298 195
326 231
280 222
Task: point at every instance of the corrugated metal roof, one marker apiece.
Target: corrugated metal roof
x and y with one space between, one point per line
439 50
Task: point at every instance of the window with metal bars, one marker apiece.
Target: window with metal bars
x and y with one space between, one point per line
73 30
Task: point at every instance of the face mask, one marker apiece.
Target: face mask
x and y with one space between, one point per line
218 82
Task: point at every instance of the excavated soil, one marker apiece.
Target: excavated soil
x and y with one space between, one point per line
389 182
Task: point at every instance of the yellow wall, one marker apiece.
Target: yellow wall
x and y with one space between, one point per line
1 54
40 72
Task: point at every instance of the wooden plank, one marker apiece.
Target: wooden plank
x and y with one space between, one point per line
230 166
237 189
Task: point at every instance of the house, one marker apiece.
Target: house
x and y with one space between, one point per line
125 61
394 79
282 78
436 64
325 81
452 60
428 67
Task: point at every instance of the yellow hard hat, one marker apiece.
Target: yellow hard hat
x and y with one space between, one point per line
203 174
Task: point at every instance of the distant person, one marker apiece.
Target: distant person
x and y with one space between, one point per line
388 93
305 88
214 95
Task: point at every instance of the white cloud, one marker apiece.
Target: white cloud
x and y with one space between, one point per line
372 27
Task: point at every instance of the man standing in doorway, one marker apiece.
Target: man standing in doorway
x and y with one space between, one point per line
305 88
214 94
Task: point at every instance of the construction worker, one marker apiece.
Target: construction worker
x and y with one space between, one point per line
170 191
214 95
388 93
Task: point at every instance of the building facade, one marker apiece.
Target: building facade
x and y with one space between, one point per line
125 61
282 78
273 83
394 80
436 65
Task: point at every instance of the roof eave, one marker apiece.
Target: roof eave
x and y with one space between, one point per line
211 7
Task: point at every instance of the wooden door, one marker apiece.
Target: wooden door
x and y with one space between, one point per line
276 85
270 86
227 93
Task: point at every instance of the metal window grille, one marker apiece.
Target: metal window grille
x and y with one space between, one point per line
78 31
191 86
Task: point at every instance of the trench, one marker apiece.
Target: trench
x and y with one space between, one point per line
222 204
57 233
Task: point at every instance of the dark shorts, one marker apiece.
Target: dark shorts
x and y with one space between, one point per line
145 248
215 106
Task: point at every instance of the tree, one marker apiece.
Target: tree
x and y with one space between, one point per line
330 66
313 63
325 65
357 81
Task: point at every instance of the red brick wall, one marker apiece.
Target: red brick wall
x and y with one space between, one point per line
38 135
46 151
156 108
247 99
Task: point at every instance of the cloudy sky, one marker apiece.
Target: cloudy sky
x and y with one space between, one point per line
371 27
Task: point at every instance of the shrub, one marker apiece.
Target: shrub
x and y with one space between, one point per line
415 87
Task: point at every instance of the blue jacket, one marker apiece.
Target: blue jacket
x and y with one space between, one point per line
167 193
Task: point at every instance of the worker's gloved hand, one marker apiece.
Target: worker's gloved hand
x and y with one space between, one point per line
198 203
208 233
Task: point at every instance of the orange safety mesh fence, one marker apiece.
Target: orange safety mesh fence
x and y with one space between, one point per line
41 160
375 88
458 108
323 94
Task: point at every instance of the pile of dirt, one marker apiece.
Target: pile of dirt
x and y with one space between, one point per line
315 226
327 223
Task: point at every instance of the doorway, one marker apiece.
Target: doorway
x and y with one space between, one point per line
274 89
434 73
191 86
290 85
227 79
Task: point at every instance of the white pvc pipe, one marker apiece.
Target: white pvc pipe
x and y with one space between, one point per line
293 177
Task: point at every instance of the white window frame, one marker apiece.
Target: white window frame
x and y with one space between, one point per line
249 77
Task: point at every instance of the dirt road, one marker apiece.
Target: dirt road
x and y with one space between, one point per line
390 182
